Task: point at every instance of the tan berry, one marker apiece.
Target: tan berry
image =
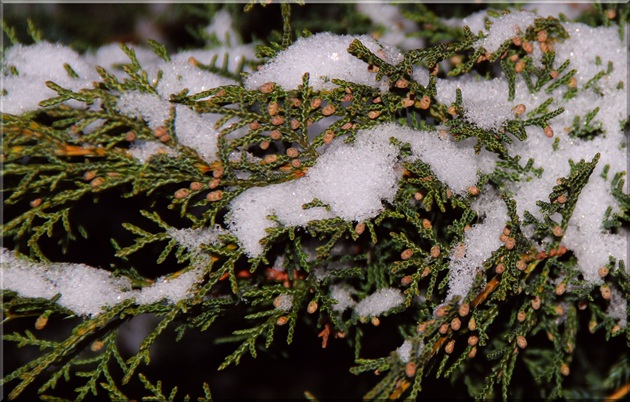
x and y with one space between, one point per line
375 321
316 102
182 193
541 36
41 322
536 301
264 144
425 102
521 341
373 114
328 136
443 329
473 340
557 231
452 111
292 152
282 320
217 173
450 346
435 251
611 14
96 345
521 265
559 310
277 120
616 328
472 324
426 224
214 183
591 326
561 288
554 74
267 87
572 82
360 228
130 136
528 47
605 291
422 327
196 186
407 102
295 163
406 280
561 199
582 304
500 268
273 108
377 100
405 255
346 126
456 324
312 307
295 124
513 58
295 102
418 196
517 41
254 125
97 181
521 316
602 271
503 237
519 66
215 195
165 138
473 190
36 203
275 135
89 175
510 243
564 369
464 309
473 352
519 109
410 369
425 272
270 158
328 110
402 83
548 131
160 131
460 250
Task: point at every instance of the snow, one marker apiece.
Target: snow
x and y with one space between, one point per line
478 244
86 290
352 179
505 28
149 107
357 180
324 56
342 294
396 27
379 302
143 150
283 302
37 64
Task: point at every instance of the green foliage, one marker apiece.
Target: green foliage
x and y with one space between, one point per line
516 320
